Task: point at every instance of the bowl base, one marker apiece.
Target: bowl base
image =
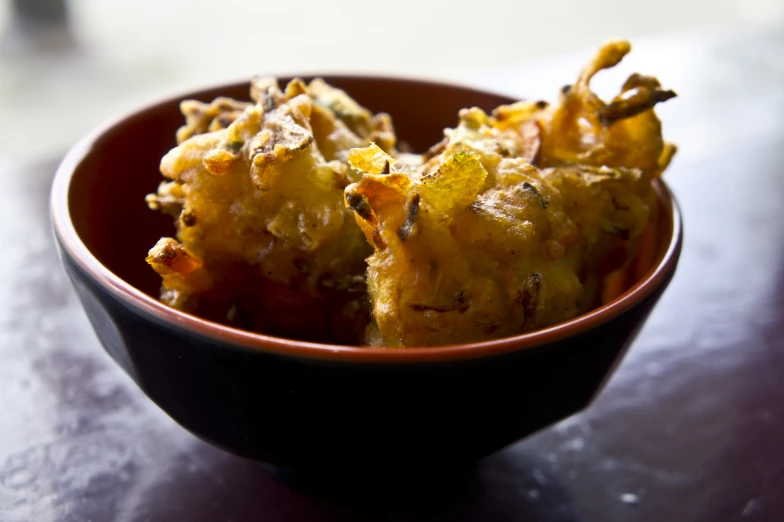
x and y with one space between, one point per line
375 482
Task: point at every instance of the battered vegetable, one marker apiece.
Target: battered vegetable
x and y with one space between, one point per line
509 224
264 240
515 218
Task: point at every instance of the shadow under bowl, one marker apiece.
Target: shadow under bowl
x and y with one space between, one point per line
313 406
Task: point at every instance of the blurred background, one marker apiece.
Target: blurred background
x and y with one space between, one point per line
65 66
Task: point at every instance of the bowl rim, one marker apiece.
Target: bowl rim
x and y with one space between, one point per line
74 247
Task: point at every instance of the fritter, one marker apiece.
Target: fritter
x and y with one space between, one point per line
264 241
513 221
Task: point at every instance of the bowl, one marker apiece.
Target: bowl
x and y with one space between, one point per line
311 406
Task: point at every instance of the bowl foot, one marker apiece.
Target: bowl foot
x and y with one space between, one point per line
376 481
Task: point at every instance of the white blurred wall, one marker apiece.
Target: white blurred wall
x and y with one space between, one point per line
118 54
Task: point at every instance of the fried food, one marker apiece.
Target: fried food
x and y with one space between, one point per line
264 240
511 223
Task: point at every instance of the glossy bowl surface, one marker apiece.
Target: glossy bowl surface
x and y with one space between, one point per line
316 406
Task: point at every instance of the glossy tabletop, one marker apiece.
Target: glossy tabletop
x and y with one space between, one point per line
690 427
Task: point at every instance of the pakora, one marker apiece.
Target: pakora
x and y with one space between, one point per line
297 214
264 241
511 221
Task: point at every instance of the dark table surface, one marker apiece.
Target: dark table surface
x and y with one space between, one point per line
690 427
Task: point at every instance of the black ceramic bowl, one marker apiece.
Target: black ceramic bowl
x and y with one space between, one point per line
317 406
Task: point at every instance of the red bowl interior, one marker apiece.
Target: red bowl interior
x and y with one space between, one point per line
102 221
